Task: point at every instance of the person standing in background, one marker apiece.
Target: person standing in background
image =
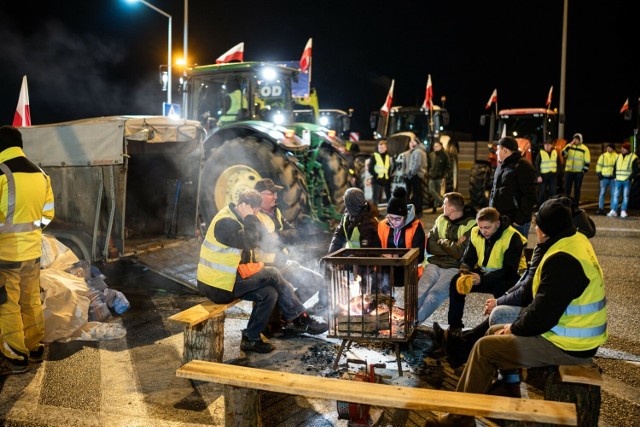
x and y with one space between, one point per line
416 172
547 167
438 165
577 160
604 170
626 169
380 170
26 207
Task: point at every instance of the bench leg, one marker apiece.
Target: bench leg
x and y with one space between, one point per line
586 397
241 407
205 341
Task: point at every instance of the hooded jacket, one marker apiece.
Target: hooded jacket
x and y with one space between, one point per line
514 191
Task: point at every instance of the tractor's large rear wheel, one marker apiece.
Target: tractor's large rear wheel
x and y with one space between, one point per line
480 183
237 164
336 174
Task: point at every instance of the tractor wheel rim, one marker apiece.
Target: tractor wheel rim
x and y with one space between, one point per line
233 181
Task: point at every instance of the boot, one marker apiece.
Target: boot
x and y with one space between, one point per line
452 420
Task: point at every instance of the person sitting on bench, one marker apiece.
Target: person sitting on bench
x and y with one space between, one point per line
565 323
226 271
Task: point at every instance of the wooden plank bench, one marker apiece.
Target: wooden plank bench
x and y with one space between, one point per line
203 330
577 384
242 405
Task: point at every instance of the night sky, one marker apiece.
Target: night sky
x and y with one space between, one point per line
87 58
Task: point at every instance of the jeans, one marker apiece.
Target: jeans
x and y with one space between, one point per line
306 281
433 289
573 179
503 314
625 188
547 187
523 229
266 288
604 184
377 192
435 185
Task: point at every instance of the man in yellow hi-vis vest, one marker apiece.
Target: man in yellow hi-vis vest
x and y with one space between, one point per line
604 169
564 324
577 160
625 171
26 207
546 165
228 270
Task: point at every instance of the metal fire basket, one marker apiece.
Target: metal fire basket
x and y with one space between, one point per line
373 294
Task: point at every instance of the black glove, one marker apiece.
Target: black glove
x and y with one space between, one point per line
599 176
3 295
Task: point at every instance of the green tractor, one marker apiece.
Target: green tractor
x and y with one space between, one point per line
247 111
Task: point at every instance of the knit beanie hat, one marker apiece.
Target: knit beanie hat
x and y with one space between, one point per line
627 146
10 137
612 145
553 217
354 201
397 205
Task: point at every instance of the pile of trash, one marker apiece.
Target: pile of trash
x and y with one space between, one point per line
77 303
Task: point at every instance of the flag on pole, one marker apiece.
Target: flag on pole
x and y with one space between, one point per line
548 104
428 96
493 98
305 61
236 53
22 117
386 107
625 106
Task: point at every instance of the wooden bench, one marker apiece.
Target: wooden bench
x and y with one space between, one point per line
577 384
203 330
242 405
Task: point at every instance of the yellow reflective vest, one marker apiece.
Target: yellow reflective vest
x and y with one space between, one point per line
218 262
548 162
583 325
624 165
26 206
382 167
496 257
578 158
605 164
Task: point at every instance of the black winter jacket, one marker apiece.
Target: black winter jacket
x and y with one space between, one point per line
514 191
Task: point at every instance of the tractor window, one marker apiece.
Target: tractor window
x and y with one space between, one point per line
272 96
219 99
416 123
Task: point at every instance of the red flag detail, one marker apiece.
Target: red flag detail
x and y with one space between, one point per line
305 61
236 53
549 97
428 96
386 107
493 98
625 106
22 117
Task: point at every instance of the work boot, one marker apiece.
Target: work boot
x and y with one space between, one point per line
439 335
451 420
12 366
501 388
36 356
257 346
318 309
305 323
599 212
612 213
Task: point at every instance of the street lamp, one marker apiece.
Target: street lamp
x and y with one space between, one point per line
162 12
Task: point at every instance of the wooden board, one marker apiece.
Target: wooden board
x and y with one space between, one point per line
201 312
382 395
580 374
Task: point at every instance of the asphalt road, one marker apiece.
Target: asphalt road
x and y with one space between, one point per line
131 381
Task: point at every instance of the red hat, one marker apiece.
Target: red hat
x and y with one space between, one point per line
626 146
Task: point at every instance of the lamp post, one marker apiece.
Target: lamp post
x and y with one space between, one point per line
162 12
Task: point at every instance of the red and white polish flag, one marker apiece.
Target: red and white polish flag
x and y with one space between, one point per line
493 98
236 53
625 106
428 95
548 104
386 107
305 61
22 117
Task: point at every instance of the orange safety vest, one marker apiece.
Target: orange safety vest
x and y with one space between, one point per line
383 232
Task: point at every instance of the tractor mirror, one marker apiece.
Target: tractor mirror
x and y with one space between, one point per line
561 118
445 118
483 120
627 114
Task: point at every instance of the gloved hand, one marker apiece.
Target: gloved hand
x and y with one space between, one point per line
585 170
3 295
599 176
464 284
